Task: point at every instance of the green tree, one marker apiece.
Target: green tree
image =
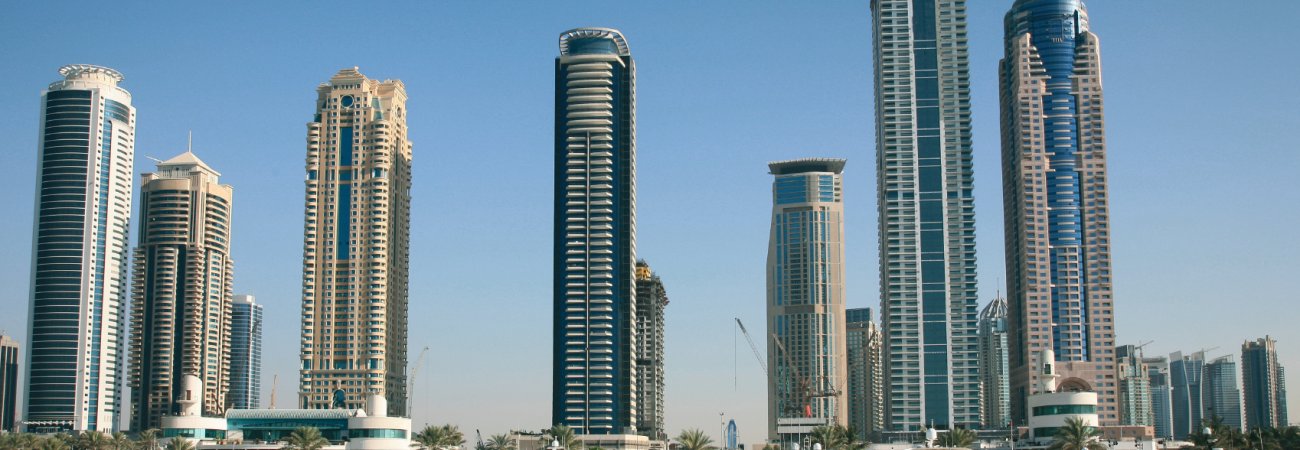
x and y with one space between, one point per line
119 441
694 439
564 435
837 437
500 442
93 440
1077 435
439 437
147 439
53 443
305 438
957 437
180 443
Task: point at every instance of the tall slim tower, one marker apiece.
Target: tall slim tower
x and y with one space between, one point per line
594 366
995 375
651 300
866 382
1162 408
8 384
1185 373
1264 383
1055 203
1133 377
805 295
182 288
1220 395
928 300
356 247
246 353
77 320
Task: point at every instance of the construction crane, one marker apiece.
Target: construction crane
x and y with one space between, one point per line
480 439
761 361
410 383
804 393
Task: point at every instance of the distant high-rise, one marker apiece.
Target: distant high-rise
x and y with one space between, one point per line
866 383
8 384
1161 396
1185 373
805 294
1264 382
245 353
995 375
1219 393
1055 204
1133 376
182 287
651 299
925 194
356 250
77 321
594 378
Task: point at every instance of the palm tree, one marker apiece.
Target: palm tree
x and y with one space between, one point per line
441 436
500 442
562 434
1077 435
305 438
180 443
53 443
957 437
694 439
119 441
837 437
93 440
147 439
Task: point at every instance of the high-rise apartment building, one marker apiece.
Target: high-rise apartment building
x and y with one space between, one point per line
182 286
805 294
866 382
1185 372
1264 382
925 192
651 299
1219 393
245 353
995 374
594 378
8 384
1055 204
77 321
356 251
1161 396
1133 377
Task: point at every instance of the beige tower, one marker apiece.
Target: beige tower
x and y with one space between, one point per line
182 290
355 249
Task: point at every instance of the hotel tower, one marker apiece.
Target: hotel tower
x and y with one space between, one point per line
594 365
356 247
928 301
77 320
1055 204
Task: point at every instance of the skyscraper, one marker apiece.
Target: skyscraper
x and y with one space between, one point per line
245 353
1220 395
77 320
1161 396
995 375
651 299
1055 203
181 290
928 300
1133 375
594 367
866 382
356 250
8 384
1264 383
1185 381
805 294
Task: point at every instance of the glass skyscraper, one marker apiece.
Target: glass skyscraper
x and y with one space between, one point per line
77 320
1220 395
8 384
866 382
805 297
594 377
246 353
1134 380
1161 396
1185 373
651 300
925 192
1264 382
995 375
1055 204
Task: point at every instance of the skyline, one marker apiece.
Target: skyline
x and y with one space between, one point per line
274 277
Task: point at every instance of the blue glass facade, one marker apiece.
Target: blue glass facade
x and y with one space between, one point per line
245 354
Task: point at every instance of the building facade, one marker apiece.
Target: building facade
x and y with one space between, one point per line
9 351
182 287
1134 380
1264 382
1185 373
1055 202
651 300
805 294
925 184
866 381
356 251
1219 393
245 354
594 379
77 319
995 375
1161 396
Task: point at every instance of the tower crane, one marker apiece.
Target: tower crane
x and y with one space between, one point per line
753 347
410 382
804 392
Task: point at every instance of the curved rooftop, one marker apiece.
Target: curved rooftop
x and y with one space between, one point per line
72 71
804 165
996 309
568 38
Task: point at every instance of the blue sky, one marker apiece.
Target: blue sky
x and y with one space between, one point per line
1202 133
